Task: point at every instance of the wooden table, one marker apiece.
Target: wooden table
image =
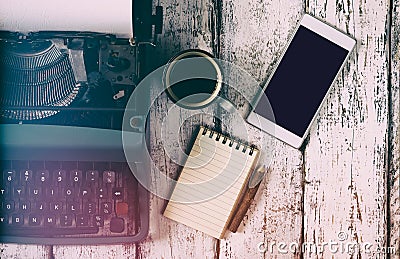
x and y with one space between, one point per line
344 182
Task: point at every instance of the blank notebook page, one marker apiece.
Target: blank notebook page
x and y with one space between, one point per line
211 183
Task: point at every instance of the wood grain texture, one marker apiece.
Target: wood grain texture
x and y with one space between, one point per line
98 251
253 35
25 251
394 128
187 25
345 192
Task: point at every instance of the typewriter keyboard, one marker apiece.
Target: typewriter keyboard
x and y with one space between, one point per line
56 199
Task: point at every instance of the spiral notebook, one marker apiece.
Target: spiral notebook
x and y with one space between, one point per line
212 182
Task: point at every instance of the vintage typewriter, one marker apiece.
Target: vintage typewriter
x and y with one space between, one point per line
64 175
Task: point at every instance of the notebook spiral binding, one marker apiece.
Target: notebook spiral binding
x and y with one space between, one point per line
232 141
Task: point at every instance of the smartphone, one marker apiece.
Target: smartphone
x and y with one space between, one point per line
301 80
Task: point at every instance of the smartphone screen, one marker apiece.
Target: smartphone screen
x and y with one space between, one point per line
301 80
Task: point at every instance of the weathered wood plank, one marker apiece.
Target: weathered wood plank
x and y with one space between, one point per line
100 251
253 35
394 180
188 24
345 194
25 251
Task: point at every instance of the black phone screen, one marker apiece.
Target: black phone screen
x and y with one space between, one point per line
302 80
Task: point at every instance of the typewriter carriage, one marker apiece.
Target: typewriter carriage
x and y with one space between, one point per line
85 71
